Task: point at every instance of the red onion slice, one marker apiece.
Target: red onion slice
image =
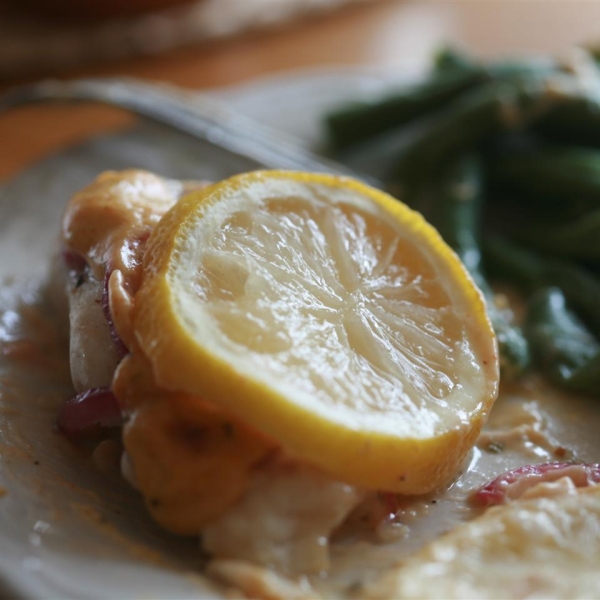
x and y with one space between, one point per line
515 483
74 262
97 406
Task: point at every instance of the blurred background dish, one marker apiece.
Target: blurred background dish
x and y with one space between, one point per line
91 10
165 45
177 44
40 37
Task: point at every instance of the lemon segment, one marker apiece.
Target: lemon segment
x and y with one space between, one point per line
327 315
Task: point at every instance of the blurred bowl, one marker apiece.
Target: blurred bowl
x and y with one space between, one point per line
90 10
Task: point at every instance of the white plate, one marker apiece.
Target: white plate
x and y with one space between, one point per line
66 530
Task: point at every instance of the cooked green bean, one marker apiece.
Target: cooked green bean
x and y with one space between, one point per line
552 340
594 51
530 271
558 175
505 261
469 120
510 116
454 74
575 122
407 156
456 207
359 121
449 60
513 348
561 345
587 377
580 287
465 122
578 238
455 211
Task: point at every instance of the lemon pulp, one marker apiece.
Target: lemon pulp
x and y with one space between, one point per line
327 315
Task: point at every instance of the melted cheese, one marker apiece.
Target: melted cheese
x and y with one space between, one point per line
107 225
108 221
190 461
547 547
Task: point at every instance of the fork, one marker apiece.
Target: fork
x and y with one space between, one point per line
197 115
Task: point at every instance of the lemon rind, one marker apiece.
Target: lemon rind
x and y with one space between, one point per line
361 457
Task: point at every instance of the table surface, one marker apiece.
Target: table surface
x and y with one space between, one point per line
390 32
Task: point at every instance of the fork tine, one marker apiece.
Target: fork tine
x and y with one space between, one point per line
188 112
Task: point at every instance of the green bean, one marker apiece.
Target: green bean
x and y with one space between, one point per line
506 261
578 238
405 157
361 120
580 287
513 348
594 51
450 60
530 271
456 209
468 121
454 74
587 377
561 345
557 175
576 122
456 212
424 143
460 127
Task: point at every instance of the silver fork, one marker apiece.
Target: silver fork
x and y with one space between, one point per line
191 113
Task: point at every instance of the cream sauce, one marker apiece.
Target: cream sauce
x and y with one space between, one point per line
47 480
67 526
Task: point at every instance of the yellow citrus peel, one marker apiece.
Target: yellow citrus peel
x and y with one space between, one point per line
326 315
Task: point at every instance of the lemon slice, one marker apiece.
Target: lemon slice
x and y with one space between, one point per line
327 315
